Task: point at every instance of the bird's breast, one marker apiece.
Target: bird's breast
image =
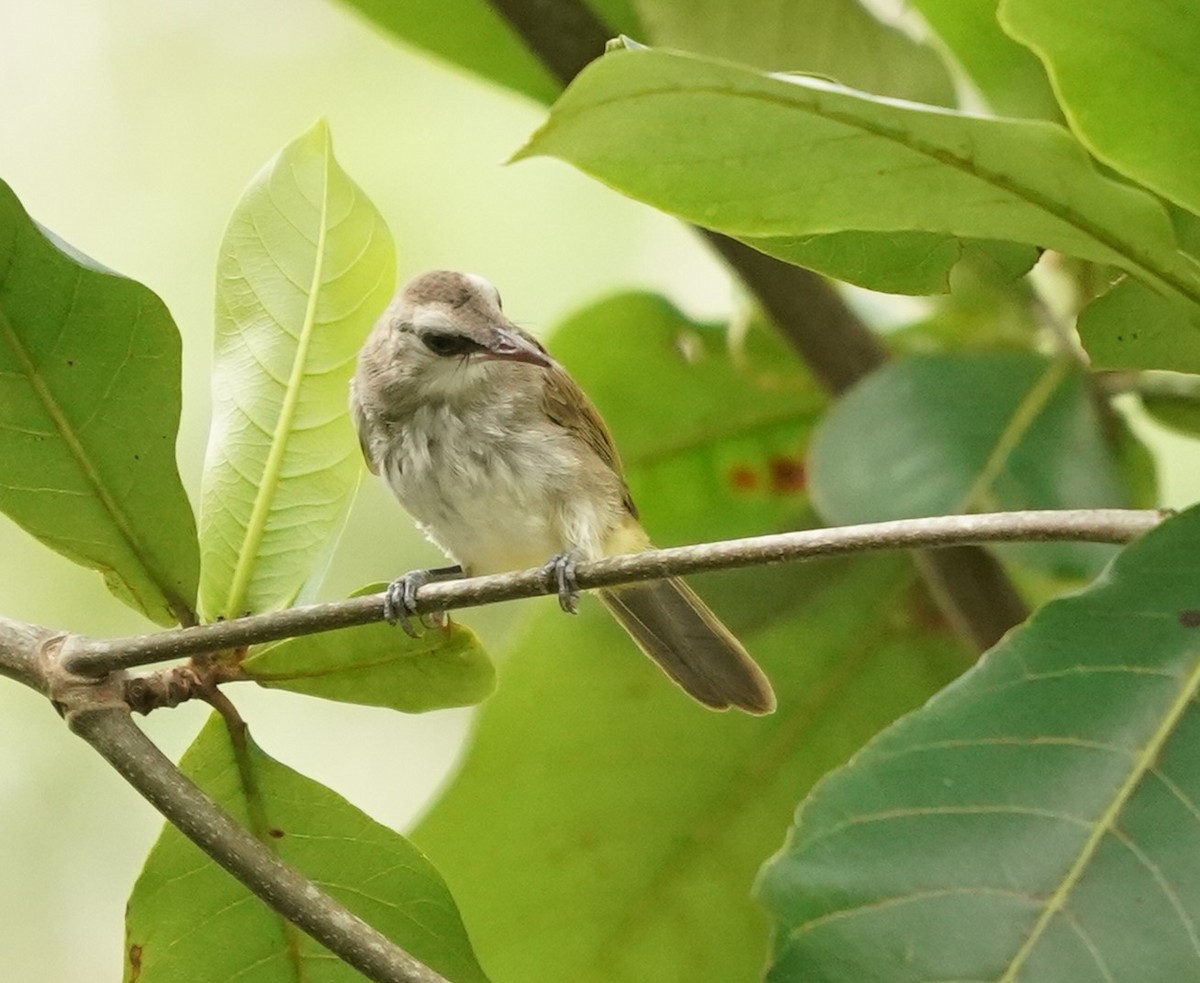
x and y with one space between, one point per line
492 494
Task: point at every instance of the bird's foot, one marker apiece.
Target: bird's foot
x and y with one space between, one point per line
561 570
400 599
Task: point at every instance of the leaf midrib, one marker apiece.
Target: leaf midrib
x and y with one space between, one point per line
1144 763
264 498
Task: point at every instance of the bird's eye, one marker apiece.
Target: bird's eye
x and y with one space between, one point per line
450 344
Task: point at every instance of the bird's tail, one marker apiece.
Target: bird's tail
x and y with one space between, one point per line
678 631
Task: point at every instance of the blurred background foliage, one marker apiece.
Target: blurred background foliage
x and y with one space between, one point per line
130 129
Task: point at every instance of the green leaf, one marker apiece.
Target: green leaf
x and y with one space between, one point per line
473 35
951 433
191 922
306 265
894 262
1007 74
758 156
1128 78
378 665
629 852
89 411
703 418
1131 327
1035 821
838 39
641 817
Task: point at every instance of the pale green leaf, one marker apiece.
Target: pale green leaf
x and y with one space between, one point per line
1128 77
1036 821
753 155
188 921
89 410
1007 74
837 39
306 265
379 665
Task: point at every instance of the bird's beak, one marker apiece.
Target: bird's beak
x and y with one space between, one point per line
508 346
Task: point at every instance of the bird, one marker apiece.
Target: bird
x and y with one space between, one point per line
505 464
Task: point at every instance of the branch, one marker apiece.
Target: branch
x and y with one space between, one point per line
111 731
89 656
839 348
20 652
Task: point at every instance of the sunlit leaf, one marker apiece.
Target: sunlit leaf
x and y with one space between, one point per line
89 410
306 265
188 921
948 433
754 155
1128 78
838 39
1007 74
1035 821
379 665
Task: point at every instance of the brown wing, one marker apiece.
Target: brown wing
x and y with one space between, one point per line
566 404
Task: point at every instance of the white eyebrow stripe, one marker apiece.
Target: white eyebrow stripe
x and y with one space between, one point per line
435 320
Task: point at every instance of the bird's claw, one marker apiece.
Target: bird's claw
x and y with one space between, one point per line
561 570
400 603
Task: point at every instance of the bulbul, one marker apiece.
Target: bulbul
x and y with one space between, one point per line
505 464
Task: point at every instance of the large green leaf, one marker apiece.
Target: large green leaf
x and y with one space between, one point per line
188 921
89 410
624 823
472 34
755 155
1131 327
895 262
1007 74
1128 78
947 433
1037 821
379 665
837 39
306 265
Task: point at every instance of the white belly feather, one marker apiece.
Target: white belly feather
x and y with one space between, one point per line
493 497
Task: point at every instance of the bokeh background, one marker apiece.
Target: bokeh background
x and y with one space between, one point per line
130 128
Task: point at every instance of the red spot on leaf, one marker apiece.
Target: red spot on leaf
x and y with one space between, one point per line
787 475
741 478
277 833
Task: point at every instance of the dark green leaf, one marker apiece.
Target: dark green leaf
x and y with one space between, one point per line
948 433
473 35
1036 821
188 921
89 410
1131 327
379 665
756 155
1128 78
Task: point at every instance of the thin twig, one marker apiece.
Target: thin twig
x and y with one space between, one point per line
20 652
111 731
88 656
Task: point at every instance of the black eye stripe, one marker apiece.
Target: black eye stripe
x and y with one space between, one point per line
450 344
